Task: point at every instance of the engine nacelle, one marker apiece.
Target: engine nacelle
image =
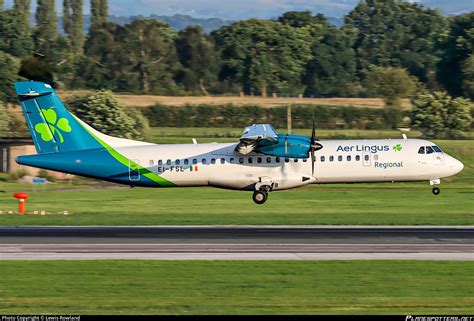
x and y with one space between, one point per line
290 146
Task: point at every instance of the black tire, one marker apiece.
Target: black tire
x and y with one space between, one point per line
260 197
436 191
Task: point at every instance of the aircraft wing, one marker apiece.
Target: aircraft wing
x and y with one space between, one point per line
254 135
259 132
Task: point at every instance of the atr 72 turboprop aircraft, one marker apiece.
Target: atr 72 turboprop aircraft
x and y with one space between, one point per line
262 161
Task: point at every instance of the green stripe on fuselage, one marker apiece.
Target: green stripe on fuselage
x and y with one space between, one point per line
127 162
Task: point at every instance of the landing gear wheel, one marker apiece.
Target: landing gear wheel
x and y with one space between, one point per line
260 197
436 190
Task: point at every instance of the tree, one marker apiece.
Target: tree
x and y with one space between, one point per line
198 57
394 33
438 115
15 31
73 24
4 120
152 58
105 58
46 34
331 71
37 69
459 45
261 55
468 77
301 19
9 68
99 12
106 114
390 83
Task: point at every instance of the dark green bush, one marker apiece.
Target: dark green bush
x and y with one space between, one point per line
241 116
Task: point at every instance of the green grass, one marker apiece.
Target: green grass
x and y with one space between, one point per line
365 204
237 287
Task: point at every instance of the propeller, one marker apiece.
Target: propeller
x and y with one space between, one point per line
314 146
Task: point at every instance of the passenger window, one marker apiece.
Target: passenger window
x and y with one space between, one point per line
296 160
222 160
367 157
429 150
259 160
349 158
323 159
178 162
250 160
357 158
195 161
168 162
204 161
376 157
231 160
421 150
241 160
339 158
277 160
331 158
160 162
305 160
287 160
269 160
186 162
213 161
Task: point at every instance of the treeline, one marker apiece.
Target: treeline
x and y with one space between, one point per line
297 54
302 115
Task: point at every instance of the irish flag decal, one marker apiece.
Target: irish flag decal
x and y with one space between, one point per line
193 168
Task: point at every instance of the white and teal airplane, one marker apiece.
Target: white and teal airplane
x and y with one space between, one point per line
262 161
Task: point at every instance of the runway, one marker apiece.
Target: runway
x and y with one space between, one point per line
237 243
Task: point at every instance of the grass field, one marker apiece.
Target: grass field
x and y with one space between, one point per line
150 100
223 287
377 204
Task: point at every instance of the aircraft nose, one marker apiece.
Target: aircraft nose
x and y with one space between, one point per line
457 166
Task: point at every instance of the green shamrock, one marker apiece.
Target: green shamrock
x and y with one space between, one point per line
398 148
54 127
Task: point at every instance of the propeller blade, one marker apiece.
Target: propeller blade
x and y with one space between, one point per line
314 146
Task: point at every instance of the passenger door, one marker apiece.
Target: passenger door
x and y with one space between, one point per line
134 170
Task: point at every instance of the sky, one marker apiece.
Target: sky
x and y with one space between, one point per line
244 9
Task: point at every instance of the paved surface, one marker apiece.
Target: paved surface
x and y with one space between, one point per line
231 242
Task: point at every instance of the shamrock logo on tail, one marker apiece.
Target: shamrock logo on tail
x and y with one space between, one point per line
53 125
398 148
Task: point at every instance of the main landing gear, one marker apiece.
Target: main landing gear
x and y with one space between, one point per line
260 197
262 189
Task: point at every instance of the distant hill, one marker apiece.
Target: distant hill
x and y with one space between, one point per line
178 21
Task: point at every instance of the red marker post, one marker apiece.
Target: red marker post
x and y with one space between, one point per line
22 197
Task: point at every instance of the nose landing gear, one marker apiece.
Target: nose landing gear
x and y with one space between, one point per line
434 183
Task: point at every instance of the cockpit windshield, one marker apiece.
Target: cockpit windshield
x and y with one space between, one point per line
429 150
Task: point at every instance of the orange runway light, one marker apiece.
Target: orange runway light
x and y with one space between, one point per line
22 197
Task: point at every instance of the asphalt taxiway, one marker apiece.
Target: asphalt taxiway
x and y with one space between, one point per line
237 243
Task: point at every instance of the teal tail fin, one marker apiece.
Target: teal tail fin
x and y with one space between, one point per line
53 128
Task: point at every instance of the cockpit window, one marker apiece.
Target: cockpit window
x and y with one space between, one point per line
421 150
437 149
429 150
